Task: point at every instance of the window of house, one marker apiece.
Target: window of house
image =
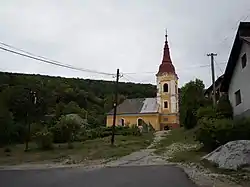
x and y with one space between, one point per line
165 87
238 97
123 122
165 104
165 119
139 122
244 60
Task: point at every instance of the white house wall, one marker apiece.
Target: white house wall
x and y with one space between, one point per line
241 80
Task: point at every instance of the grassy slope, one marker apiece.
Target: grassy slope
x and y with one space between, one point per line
90 149
183 137
177 135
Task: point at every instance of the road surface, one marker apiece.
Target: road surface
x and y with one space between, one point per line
128 176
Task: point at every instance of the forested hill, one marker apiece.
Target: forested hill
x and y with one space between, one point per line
57 96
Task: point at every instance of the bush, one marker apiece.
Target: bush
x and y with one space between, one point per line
206 112
44 139
102 132
242 129
69 128
135 130
224 108
215 132
8 128
151 128
190 119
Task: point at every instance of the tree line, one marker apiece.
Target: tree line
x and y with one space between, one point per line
57 96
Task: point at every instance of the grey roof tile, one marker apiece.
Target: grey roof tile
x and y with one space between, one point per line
136 106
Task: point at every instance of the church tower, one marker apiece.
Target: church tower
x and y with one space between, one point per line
167 91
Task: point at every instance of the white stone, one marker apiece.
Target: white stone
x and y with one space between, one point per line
233 155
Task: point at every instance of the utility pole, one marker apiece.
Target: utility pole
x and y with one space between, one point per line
115 107
34 99
213 76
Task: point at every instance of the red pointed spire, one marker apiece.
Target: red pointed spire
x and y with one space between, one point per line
166 65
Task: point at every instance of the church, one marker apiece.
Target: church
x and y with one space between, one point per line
162 111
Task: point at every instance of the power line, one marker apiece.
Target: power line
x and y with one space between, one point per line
181 69
234 27
48 61
218 66
125 78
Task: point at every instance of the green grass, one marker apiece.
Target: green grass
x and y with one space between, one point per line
177 135
184 137
191 156
90 149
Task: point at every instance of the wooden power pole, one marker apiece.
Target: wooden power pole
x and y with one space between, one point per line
115 107
213 76
34 100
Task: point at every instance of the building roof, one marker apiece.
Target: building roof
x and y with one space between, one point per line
137 106
217 82
243 34
166 65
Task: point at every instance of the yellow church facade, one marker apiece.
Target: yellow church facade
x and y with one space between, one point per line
162 111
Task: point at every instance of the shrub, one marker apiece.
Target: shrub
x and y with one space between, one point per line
215 132
206 112
205 133
58 136
101 132
44 139
190 119
135 130
224 108
151 128
242 129
35 127
8 128
69 127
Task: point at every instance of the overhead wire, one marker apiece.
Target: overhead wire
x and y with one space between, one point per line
218 66
181 69
46 60
245 17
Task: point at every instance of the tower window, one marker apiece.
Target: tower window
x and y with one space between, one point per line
165 87
165 104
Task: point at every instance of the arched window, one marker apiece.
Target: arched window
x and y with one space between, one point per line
123 122
165 87
139 122
165 104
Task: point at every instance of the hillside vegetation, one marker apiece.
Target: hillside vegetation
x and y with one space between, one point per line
57 96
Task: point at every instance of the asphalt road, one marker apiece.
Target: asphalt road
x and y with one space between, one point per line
129 176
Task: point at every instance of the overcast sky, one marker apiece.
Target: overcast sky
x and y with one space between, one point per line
104 35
